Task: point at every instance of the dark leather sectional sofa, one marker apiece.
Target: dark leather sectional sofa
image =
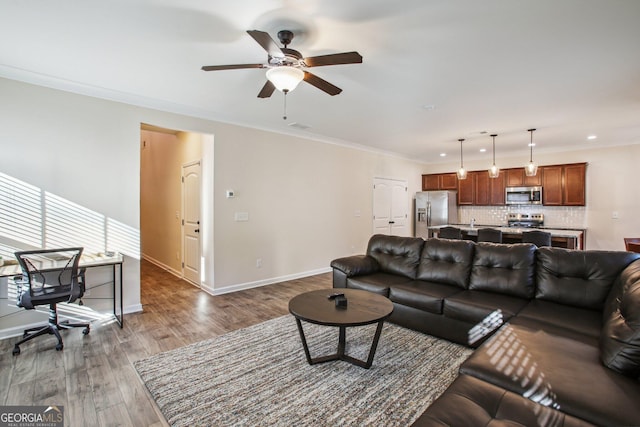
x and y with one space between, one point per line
556 331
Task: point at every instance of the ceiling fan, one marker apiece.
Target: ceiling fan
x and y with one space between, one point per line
286 66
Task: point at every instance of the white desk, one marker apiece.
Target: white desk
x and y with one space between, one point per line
115 260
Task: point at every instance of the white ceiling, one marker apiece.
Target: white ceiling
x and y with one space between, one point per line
433 70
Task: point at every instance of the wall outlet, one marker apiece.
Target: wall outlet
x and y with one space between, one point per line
259 263
615 215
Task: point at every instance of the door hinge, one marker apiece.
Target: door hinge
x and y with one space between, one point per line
182 179
183 222
183 265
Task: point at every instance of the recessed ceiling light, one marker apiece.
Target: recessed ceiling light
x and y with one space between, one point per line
429 107
590 137
482 150
443 154
531 144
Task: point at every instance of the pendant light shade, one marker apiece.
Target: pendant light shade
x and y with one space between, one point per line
285 78
531 169
494 171
462 172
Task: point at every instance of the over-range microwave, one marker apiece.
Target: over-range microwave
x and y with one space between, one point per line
523 196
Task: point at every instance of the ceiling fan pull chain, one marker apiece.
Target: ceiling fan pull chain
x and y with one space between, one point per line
284 117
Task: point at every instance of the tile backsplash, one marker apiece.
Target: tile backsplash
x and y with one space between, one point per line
556 216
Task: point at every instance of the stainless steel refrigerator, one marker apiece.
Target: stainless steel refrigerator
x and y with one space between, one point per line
434 208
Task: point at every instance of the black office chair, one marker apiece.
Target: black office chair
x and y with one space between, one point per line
537 237
450 233
489 235
49 276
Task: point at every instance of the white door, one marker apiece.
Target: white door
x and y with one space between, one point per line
390 207
191 222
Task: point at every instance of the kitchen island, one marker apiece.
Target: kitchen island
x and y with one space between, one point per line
563 238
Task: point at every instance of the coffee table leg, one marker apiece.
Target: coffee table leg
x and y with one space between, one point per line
304 342
374 344
342 339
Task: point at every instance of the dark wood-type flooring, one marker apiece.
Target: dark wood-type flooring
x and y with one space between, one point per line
94 378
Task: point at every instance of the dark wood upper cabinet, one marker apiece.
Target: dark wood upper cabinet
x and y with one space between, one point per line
517 178
574 184
481 196
496 189
448 181
551 185
466 190
439 181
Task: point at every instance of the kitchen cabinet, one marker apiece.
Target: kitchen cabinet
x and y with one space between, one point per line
551 185
517 178
466 189
496 189
480 190
440 181
564 185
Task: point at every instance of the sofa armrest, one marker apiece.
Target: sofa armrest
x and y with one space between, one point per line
356 265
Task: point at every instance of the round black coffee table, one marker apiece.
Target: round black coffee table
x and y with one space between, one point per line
363 308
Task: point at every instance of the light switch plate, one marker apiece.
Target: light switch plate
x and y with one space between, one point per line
242 216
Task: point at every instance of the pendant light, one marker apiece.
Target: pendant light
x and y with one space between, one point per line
462 172
494 171
531 169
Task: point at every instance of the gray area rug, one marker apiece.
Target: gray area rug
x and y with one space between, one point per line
259 376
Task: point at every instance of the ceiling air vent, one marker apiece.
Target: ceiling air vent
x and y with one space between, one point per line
299 126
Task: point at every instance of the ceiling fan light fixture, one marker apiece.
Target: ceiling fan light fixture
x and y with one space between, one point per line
531 169
285 78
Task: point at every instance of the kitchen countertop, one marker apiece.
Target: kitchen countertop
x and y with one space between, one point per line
555 232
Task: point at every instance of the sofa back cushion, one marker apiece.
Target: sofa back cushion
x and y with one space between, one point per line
505 269
620 337
446 261
578 278
395 254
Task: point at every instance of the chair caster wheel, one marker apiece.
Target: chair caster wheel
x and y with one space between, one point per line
16 350
85 331
59 347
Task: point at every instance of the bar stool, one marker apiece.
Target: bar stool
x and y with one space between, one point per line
489 235
537 237
450 233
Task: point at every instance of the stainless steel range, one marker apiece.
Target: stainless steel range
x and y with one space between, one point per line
525 220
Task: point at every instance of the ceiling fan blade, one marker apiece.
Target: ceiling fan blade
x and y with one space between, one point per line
267 90
267 43
231 67
321 84
334 59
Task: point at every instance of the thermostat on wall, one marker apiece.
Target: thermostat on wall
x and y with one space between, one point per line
230 194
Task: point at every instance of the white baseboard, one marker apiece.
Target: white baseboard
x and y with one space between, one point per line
162 265
263 282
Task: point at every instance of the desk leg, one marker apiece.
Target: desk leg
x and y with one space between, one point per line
119 319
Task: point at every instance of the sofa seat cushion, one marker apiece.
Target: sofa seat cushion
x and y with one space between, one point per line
555 316
427 296
557 372
378 283
470 402
446 261
474 306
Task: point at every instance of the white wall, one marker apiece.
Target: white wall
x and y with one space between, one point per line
611 185
301 195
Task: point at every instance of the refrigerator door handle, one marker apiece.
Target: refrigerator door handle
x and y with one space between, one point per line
428 214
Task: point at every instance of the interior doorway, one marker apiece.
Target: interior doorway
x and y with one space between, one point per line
176 218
